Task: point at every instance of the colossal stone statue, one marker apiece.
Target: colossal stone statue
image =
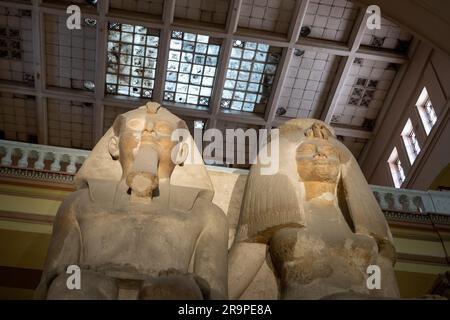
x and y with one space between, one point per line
140 226
315 223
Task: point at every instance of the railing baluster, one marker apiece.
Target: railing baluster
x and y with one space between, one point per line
71 168
56 164
23 161
7 158
39 164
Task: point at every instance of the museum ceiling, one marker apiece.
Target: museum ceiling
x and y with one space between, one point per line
215 63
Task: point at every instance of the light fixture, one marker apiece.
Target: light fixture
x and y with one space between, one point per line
281 111
305 31
299 52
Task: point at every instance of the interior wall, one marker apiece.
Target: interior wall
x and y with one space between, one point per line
427 68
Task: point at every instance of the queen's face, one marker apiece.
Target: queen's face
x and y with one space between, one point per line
318 160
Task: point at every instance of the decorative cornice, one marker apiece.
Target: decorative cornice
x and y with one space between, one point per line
417 218
33 174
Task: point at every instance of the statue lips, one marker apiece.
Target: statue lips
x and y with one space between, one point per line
143 178
142 183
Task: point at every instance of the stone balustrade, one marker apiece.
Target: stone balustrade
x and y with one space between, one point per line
40 161
49 163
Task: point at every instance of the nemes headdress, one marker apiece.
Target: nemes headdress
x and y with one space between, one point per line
190 179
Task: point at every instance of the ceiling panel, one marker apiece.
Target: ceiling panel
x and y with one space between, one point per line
70 124
307 84
18 119
210 11
70 54
329 19
269 15
389 36
16 46
364 92
153 7
92 3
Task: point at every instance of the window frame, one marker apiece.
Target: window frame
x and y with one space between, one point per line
410 141
396 169
427 112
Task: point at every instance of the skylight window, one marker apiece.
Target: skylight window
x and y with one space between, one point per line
426 111
191 68
396 168
132 56
411 142
250 75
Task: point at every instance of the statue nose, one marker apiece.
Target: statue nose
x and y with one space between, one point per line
320 155
148 132
147 135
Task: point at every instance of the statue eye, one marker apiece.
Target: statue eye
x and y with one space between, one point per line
163 128
307 149
136 124
329 151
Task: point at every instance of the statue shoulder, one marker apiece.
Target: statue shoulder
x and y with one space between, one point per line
211 212
74 199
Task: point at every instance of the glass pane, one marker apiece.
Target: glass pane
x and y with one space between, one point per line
134 55
248 65
196 69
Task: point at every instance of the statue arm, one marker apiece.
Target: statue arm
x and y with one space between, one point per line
386 261
244 261
369 220
64 248
210 257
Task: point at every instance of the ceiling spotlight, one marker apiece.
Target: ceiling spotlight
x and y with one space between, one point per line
299 52
305 31
91 2
281 111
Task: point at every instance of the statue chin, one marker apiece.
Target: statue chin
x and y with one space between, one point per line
142 184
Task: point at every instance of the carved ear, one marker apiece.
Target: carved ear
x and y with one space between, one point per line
113 147
182 153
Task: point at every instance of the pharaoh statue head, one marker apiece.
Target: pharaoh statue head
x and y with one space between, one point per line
145 147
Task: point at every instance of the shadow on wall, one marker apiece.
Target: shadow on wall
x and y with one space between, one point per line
442 181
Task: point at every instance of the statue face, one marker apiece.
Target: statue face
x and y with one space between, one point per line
318 160
144 148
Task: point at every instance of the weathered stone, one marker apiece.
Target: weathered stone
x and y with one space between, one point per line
142 223
316 224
